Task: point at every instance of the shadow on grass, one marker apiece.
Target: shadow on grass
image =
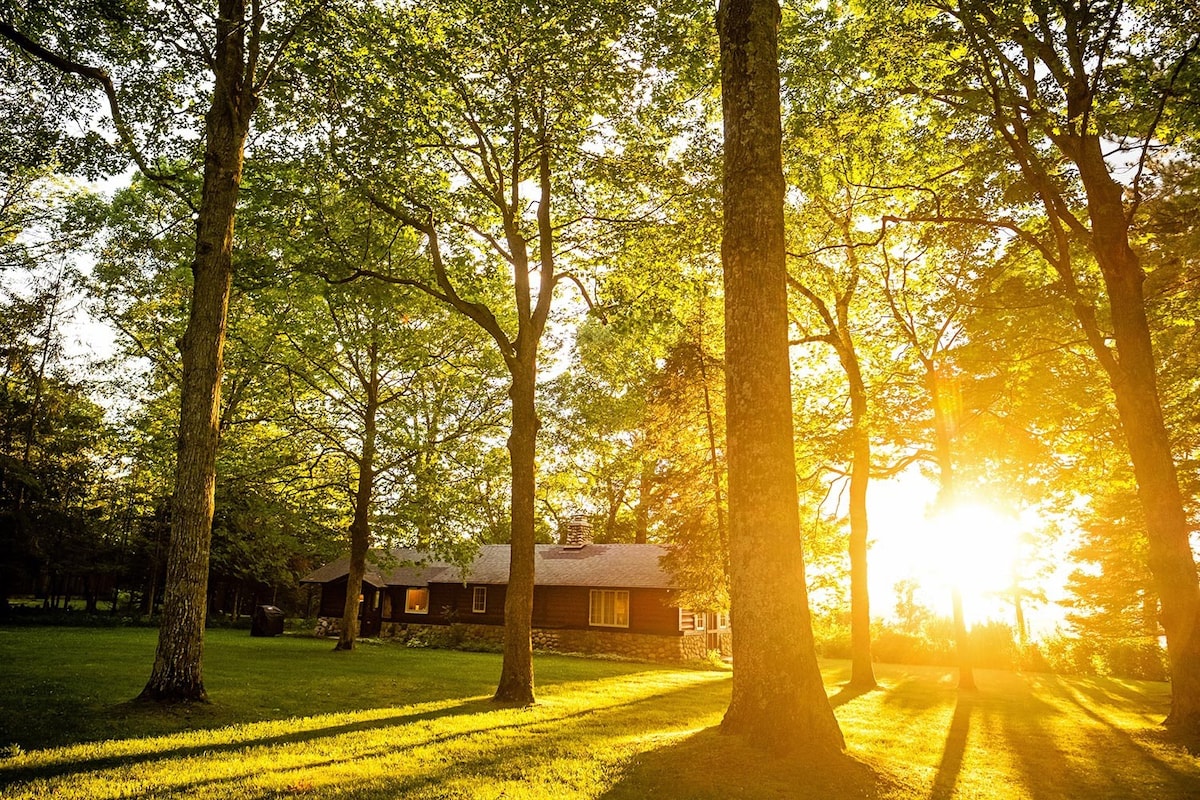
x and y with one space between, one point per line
1139 765
417 748
709 764
850 692
73 767
1046 741
484 756
915 694
956 747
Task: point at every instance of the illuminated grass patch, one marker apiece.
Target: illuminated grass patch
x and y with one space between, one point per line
290 718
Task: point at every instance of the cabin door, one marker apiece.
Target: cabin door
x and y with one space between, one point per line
713 639
371 615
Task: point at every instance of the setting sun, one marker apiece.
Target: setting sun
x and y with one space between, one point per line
974 547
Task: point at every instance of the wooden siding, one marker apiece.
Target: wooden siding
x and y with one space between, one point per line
554 607
650 610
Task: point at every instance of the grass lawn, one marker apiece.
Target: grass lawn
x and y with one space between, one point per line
291 718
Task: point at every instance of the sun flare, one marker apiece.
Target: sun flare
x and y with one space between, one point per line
972 547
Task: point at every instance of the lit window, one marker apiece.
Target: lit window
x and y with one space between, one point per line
609 608
479 600
416 601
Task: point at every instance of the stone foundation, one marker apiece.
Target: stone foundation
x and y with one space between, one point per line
490 638
636 646
328 626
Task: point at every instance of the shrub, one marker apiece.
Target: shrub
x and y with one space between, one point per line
992 646
1136 658
897 647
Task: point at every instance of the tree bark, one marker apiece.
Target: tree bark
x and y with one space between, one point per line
645 498
360 527
778 696
710 427
1131 369
177 672
516 675
862 672
1135 388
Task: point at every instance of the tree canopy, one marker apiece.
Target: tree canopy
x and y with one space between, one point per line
441 275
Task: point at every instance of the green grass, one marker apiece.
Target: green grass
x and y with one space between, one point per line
291 718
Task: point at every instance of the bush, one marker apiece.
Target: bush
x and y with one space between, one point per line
1136 658
898 647
992 646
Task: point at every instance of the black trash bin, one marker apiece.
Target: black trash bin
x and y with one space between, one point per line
267 621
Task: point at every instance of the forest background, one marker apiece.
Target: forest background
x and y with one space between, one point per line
394 151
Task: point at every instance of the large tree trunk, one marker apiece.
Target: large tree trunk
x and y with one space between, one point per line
1135 388
778 697
177 673
360 527
1132 368
516 675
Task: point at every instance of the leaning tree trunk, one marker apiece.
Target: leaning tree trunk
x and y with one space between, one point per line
360 527
516 675
177 672
778 696
1135 388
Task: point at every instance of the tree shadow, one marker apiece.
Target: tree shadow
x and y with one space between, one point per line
955 749
75 766
1056 756
508 750
850 692
711 764
917 694
531 733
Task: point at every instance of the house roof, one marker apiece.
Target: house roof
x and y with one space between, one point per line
624 565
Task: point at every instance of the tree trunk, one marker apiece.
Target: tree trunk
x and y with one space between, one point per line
778 696
516 674
645 497
1019 611
710 426
1132 368
1135 387
177 672
862 673
360 527
943 426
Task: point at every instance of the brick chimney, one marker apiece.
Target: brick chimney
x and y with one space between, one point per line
579 532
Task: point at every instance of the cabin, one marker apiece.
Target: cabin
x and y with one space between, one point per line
611 599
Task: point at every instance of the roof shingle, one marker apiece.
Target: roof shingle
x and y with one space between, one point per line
613 565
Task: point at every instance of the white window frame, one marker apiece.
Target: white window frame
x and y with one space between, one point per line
722 621
479 600
699 620
605 601
409 608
